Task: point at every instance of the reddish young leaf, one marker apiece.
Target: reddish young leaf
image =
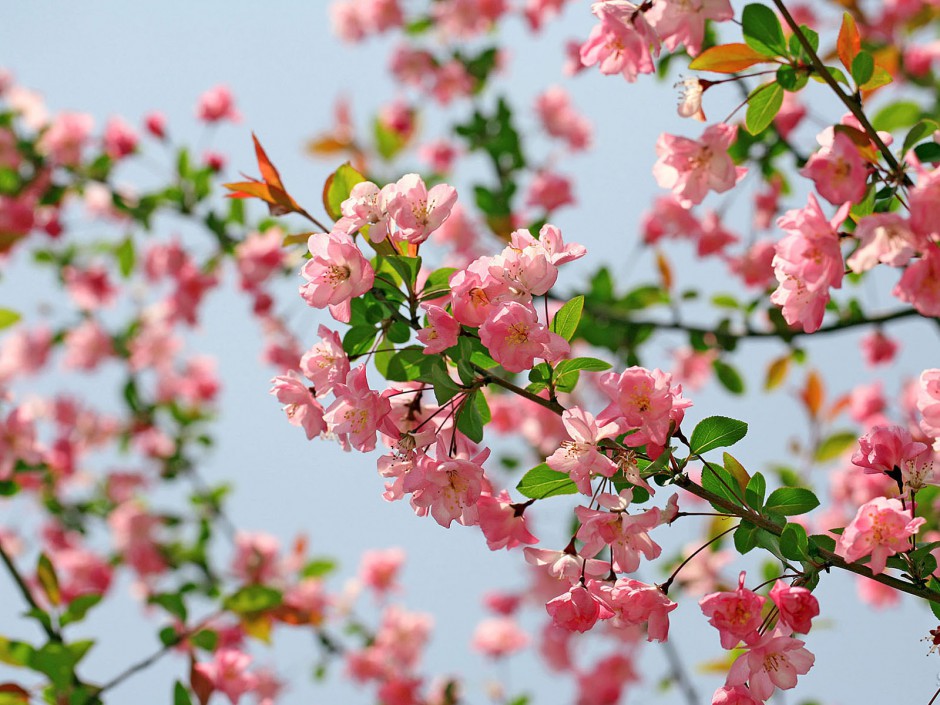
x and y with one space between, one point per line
271 190
727 58
813 393
849 43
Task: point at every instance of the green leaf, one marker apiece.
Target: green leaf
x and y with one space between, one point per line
469 420
318 568
790 79
125 256
791 501
719 481
438 282
745 537
359 339
762 30
15 653
928 152
763 104
172 602
337 188
794 543
565 322
78 608
716 432
756 489
8 317
388 142
181 695
253 598
406 267
835 445
205 639
894 116
728 376
444 387
48 580
863 66
541 482
921 130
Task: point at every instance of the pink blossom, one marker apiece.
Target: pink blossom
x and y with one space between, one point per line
684 22
693 368
881 528
357 411
790 115
259 256
734 695
713 238
560 120
449 489
838 171
120 140
624 42
65 138
451 80
883 237
87 345
770 663
80 572
578 609
885 448
627 535
515 337
634 602
580 457
441 331
367 206
643 401
300 405
564 565
605 682
89 288
502 522
500 637
439 155
217 104
417 210
336 273
692 168
736 615
878 348
755 265
379 569
797 606
920 284
549 191
928 401
668 218
875 594
326 363
256 558
133 531
155 124
228 673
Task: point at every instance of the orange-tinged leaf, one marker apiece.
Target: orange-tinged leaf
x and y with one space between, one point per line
268 172
326 145
777 372
665 271
838 406
200 683
813 393
849 43
45 573
11 693
738 472
861 140
727 58
258 627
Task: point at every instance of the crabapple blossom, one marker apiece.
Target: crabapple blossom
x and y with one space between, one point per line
624 42
797 606
878 348
928 401
881 528
417 210
643 401
837 170
736 615
228 673
774 661
691 168
560 120
515 337
883 237
66 137
449 489
578 609
441 332
734 695
684 22
634 602
503 523
379 568
499 637
918 285
627 535
300 405
120 140
885 448
326 363
358 411
580 457
217 104
565 565
336 272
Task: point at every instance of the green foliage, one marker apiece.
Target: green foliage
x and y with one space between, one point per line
716 432
762 30
541 482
